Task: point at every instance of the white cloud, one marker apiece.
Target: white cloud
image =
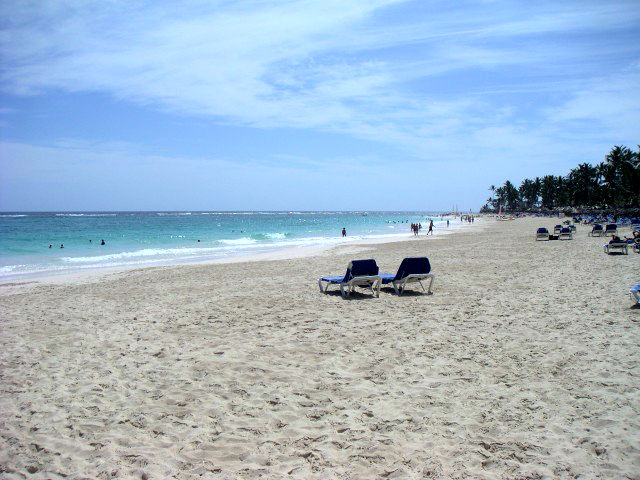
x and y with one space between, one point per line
353 67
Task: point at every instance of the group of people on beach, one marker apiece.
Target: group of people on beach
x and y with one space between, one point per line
416 227
467 218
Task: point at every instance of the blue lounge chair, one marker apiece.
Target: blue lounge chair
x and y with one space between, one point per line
542 234
565 233
412 269
635 292
360 273
611 229
597 230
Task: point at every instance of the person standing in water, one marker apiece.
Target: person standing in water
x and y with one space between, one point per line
344 232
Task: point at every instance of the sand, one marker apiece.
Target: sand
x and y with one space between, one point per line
523 364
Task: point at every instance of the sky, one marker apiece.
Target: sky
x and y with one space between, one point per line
306 105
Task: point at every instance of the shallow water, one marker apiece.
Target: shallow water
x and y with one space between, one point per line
152 238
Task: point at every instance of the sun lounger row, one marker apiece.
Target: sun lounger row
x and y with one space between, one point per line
609 230
563 233
567 232
365 274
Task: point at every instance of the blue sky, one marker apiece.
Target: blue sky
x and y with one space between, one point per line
349 105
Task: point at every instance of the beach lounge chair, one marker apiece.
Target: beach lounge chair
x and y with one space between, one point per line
565 234
635 292
542 234
556 229
616 247
611 229
597 231
360 273
411 270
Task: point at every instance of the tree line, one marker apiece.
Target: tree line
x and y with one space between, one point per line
613 184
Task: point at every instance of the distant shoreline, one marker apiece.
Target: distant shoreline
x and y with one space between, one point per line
273 253
281 248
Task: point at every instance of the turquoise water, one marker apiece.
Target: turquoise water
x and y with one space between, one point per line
153 238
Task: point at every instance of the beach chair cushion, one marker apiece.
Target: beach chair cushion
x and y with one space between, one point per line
543 231
357 268
360 273
412 269
621 246
409 266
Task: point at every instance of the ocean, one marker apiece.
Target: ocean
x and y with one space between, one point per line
161 238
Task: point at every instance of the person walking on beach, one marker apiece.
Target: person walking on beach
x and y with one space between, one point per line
344 232
430 227
447 223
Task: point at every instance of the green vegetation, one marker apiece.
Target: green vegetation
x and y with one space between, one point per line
612 185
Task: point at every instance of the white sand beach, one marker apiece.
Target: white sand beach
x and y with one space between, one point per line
523 364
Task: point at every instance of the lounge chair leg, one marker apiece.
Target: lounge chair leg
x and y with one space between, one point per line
320 286
420 282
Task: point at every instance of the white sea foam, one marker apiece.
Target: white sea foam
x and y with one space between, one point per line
86 214
239 241
276 236
11 216
10 268
147 252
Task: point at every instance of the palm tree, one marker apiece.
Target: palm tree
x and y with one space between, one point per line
614 183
